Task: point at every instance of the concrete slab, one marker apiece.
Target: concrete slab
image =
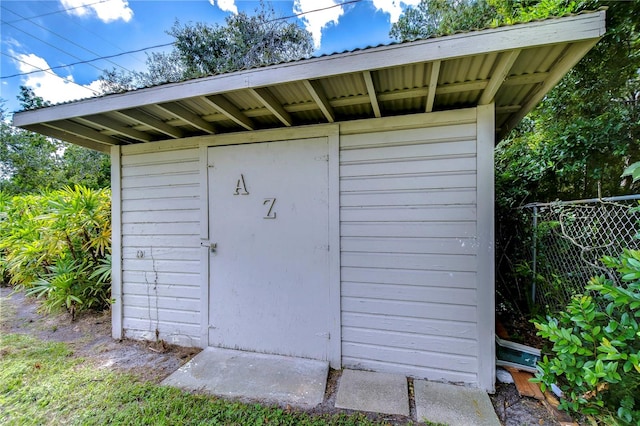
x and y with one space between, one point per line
453 405
247 375
375 392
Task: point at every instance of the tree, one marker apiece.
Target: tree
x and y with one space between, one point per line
203 49
30 162
438 17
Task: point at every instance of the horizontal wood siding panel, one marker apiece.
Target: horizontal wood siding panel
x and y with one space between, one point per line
430 262
170 279
409 252
168 216
176 202
149 301
141 288
156 169
411 369
412 341
435 310
409 137
426 326
173 241
409 245
161 245
408 214
410 152
442 362
167 179
447 279
161 192
414 197
420 165
409 229
417 293
407 182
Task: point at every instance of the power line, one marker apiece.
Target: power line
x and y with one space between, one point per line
49 72
59 11
47 43
57 35
169 44
89 60
296 15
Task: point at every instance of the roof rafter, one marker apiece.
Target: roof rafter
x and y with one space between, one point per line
70 137
190 117
500 73
82 131
227 108
154 123
272 104
317 93
371 89
572 55
433 85
115 126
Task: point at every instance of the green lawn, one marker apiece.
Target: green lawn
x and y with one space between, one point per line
42 383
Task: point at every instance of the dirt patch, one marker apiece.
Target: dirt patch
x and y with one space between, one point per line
89 336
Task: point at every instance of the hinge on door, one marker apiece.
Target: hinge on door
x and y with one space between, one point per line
322 158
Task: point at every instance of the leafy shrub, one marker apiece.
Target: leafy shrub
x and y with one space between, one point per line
596 350
57 245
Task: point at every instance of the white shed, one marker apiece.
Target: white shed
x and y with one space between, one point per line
338 208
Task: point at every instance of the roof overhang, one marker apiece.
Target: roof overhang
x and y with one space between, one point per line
513 67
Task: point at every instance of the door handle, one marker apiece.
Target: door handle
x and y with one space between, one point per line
213 247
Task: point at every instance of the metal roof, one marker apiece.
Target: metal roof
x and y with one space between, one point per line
512 66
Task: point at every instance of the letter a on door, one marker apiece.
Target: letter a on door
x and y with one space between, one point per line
241 187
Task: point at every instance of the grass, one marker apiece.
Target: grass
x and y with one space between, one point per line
42 383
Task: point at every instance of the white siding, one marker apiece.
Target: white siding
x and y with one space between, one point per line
409 251
161 244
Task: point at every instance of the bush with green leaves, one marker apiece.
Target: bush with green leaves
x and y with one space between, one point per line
595 357
57 245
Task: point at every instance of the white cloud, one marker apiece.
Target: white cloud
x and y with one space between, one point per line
226 5
394 7
315 22
107 11
50 86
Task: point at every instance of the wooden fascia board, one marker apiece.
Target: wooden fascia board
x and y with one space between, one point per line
317 93
588 26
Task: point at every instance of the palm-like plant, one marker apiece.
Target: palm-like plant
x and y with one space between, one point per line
58 246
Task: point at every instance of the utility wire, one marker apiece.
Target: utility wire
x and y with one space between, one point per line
59 11
49 72
167 44
87 61
58 35
48 44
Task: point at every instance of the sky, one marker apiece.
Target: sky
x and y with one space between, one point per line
65 37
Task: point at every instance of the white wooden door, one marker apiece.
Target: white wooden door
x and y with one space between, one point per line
269 273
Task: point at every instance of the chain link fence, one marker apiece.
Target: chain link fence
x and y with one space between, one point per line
569 240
